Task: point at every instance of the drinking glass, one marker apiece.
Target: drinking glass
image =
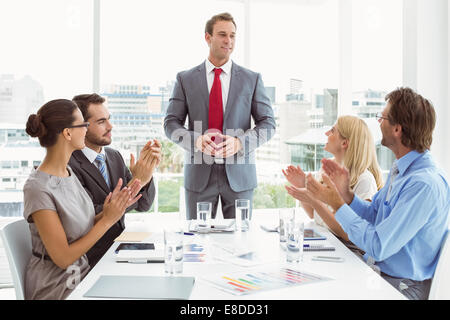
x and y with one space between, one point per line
294 243
204 217
242 207
173 250
286 215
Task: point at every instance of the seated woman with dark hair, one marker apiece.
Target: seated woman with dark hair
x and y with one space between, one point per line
61 215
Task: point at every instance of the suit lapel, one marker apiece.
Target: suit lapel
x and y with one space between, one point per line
203 85
92 170
233 91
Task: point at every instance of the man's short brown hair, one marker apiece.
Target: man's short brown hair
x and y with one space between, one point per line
415 114
84 100
218 17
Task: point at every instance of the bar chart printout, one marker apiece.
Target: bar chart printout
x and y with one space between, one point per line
252 281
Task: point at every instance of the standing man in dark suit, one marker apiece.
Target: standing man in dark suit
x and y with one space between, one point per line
220 98
99 168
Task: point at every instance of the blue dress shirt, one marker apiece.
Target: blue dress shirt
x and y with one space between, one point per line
404 234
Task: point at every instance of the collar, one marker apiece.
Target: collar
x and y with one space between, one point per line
91 154
404 162
226 68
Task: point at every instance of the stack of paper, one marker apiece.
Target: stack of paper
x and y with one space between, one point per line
247 282
132 236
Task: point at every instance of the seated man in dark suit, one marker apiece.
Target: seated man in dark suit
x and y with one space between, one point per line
99 169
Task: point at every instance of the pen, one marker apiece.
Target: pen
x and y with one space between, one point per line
188 234
139 261
327 259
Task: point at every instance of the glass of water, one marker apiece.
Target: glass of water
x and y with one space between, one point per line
173 249
242 207
294 242
286 216
204 217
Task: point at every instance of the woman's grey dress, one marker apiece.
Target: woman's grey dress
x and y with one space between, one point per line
67 197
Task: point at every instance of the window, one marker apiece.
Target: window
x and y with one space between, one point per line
377 42
156 42
295 45
302 46
43 48
47 55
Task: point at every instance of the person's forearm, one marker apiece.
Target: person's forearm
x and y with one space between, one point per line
337 203
334 200
141 180
78 248
98 217
330 220
308 209
348 197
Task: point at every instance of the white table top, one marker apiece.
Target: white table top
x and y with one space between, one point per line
351 279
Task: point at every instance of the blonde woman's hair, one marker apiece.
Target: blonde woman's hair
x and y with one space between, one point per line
361 153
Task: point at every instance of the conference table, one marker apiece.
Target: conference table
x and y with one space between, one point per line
349 279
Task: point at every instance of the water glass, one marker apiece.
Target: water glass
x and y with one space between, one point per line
204 217
294 243
173 250
242 207
286 216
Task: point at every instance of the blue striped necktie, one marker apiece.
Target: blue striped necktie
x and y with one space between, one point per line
394 173
102 167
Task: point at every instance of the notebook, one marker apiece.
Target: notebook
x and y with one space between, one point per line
318 248
141 287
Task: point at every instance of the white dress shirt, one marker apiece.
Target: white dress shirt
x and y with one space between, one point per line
225 78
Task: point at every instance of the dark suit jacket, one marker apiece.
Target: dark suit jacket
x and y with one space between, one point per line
95 185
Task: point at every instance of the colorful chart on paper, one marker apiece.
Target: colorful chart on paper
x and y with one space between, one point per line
194 253
248 282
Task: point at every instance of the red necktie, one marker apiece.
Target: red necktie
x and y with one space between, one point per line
215 103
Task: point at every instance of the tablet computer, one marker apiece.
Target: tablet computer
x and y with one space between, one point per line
135 246
139 252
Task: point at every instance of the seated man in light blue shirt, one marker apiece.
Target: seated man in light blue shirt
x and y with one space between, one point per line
403 227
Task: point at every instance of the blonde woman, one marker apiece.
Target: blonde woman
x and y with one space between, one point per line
352 145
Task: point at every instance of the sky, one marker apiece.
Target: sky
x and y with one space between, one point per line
148 42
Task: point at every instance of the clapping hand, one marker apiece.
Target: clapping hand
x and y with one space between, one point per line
340 177
295 176
325 192
149 159
117 201
302 194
